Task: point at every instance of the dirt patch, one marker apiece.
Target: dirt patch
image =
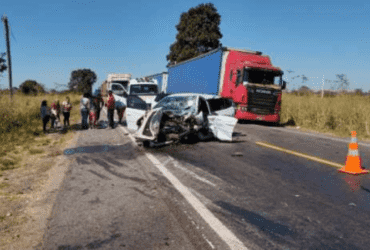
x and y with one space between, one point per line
27 191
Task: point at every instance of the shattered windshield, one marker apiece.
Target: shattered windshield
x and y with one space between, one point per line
262 76
177 103
143 89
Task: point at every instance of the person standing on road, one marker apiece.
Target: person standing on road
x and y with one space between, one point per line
92 114
57 106
45 114
99 104
120 111
66 107
84 108
55 113
110 106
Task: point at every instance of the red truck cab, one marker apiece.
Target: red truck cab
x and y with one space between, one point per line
253 83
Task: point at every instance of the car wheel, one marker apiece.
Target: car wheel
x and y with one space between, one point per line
190 139
146 144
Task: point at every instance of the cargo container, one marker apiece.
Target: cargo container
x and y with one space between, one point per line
246 77
161 79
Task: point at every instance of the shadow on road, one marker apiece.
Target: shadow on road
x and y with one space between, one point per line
367 190
93 245
290 122
273 229
78 127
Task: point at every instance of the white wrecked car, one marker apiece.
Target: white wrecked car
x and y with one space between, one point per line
181 117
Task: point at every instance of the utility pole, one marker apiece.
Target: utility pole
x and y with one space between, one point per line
7 39
322 88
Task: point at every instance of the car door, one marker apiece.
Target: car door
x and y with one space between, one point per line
136 108
221 119
222 126
118 89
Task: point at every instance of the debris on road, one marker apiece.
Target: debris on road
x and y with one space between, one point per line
237 154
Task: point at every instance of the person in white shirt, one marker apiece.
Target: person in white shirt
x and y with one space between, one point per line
66 109
85 109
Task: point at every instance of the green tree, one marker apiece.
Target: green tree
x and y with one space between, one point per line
342 82
359 92
82 80
198 33
31 87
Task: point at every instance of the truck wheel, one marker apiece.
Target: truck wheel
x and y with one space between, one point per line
276 124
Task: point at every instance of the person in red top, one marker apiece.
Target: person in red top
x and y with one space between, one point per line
54 117
110 106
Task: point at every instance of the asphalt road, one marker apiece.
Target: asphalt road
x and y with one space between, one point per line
274 200
113 197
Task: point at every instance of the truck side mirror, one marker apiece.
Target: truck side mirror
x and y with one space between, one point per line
284 85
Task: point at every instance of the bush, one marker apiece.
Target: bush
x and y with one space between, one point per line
31 87
339 114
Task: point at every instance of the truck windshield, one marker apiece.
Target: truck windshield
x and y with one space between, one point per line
143 89
122 83
262 76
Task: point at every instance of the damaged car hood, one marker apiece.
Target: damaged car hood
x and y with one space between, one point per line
178 114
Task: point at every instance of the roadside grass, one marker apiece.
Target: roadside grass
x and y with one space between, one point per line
26 154
338 115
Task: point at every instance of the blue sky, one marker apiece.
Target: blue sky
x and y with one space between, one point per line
317 39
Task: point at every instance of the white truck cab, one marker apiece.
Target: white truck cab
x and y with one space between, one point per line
146 90
118 83
122 85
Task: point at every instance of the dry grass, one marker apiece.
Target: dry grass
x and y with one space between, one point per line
26 155
337 115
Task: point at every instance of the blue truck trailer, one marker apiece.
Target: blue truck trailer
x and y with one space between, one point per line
197 75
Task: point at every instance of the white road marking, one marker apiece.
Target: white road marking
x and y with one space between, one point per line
201 197
177 165
206 173
167 161
208 241
222 231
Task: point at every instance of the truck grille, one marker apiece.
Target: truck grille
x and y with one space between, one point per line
261 101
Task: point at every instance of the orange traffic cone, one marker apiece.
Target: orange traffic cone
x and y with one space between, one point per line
353 162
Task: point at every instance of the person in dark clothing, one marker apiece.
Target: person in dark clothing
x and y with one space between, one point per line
110 106
58 111
99 104
45 114
66 107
